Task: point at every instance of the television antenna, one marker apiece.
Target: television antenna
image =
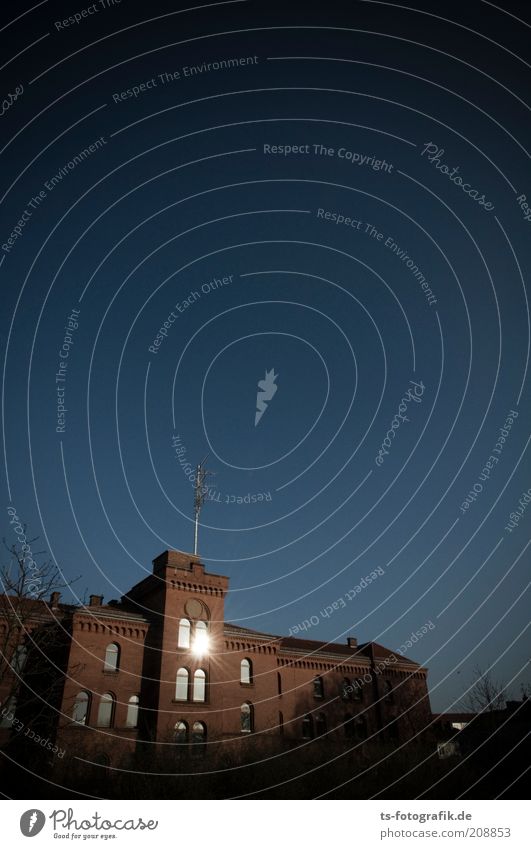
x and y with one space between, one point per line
200 494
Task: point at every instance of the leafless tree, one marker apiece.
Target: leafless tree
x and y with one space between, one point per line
31 633
485 695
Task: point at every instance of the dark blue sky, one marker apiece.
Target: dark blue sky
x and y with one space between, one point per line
179 214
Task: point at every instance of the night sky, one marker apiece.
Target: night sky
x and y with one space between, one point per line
334 194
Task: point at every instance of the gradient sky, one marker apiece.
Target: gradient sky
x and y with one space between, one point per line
180 193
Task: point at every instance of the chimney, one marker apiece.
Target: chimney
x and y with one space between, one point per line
352 642
95 600
54 600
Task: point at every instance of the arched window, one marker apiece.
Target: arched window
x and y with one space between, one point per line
348 725
100 765
346 690
279 683
199 694
112 658
132 712
181 686
183 641
199 733
318 687
246 717
181 732
81 708
320 724
388 693
201 638
307 727
246 671
106 710
18 661
360 727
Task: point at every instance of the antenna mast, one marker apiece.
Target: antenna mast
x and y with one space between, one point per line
200 494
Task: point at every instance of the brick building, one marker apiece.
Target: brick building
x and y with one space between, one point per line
162 667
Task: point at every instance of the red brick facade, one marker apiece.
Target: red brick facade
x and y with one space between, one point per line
127 655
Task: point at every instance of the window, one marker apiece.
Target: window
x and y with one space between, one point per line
181 733
201 638
318 687
199 733
132 712
360 727
181 687
112 657
307 727
388 693
183 641
199 693
357 693
348 725
106 710
18 661
320 724
246 718
246 671
346 690
81 708
280 723
279 683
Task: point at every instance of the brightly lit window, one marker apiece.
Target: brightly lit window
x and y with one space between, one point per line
246 671
199 692
183 641
200 646
181 686
112 657
81 706
132 712
106 710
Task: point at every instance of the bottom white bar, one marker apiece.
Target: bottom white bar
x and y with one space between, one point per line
257 824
